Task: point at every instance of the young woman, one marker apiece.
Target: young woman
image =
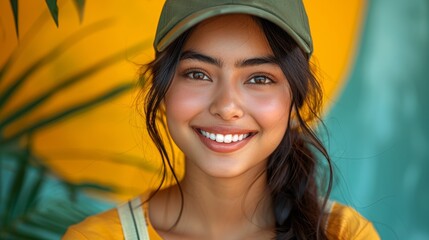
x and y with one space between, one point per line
232 79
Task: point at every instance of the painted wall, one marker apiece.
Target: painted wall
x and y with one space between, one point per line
373 59
379 134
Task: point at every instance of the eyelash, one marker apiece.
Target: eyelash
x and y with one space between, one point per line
265 78
189 74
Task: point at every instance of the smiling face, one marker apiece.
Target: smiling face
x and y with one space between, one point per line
228 105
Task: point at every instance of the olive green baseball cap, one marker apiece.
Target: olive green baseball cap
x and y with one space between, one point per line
178 16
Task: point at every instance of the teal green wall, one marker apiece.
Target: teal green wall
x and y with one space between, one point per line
378 128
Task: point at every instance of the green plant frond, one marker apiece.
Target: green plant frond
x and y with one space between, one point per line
49 57
113 188
15 234
49 216
35 188
53 9
69 112
80 5
122 159
93 186
64 84
50 222
10 149
24 40
43 220
16 51
16 185
14 5
60 213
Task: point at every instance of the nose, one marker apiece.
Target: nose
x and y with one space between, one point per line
226 104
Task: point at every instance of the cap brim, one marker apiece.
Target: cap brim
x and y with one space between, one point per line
197 17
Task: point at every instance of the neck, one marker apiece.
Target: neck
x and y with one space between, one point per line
239 198
216 206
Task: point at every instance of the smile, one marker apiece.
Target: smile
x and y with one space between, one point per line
224 138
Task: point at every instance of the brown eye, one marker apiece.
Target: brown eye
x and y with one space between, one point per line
260 80
197 75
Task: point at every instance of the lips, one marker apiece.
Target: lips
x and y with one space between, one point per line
224 140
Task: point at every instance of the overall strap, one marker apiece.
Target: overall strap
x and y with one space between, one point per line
328 210
132 220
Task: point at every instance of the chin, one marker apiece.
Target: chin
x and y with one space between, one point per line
229 168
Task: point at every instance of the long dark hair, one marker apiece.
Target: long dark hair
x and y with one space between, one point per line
292 167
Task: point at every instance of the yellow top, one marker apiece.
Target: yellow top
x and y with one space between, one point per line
343 223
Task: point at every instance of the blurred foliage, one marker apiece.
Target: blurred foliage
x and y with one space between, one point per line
35 203
53 9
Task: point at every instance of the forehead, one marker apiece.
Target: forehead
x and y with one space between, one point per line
226 36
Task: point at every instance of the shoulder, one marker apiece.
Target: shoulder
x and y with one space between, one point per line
346 223
105 225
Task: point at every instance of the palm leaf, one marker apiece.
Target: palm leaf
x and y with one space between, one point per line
80 5
47 58
49 214
28 207
49 120
120 159
16 185
14 5
41 173
71 80
53 9
27 38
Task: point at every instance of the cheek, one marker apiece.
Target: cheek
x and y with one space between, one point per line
182 103
271 112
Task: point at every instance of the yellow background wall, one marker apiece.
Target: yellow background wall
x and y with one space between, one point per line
107 144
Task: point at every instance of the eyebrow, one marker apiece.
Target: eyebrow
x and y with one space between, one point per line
258 61
193 55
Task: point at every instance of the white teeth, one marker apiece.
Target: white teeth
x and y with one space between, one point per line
228 138
219 138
